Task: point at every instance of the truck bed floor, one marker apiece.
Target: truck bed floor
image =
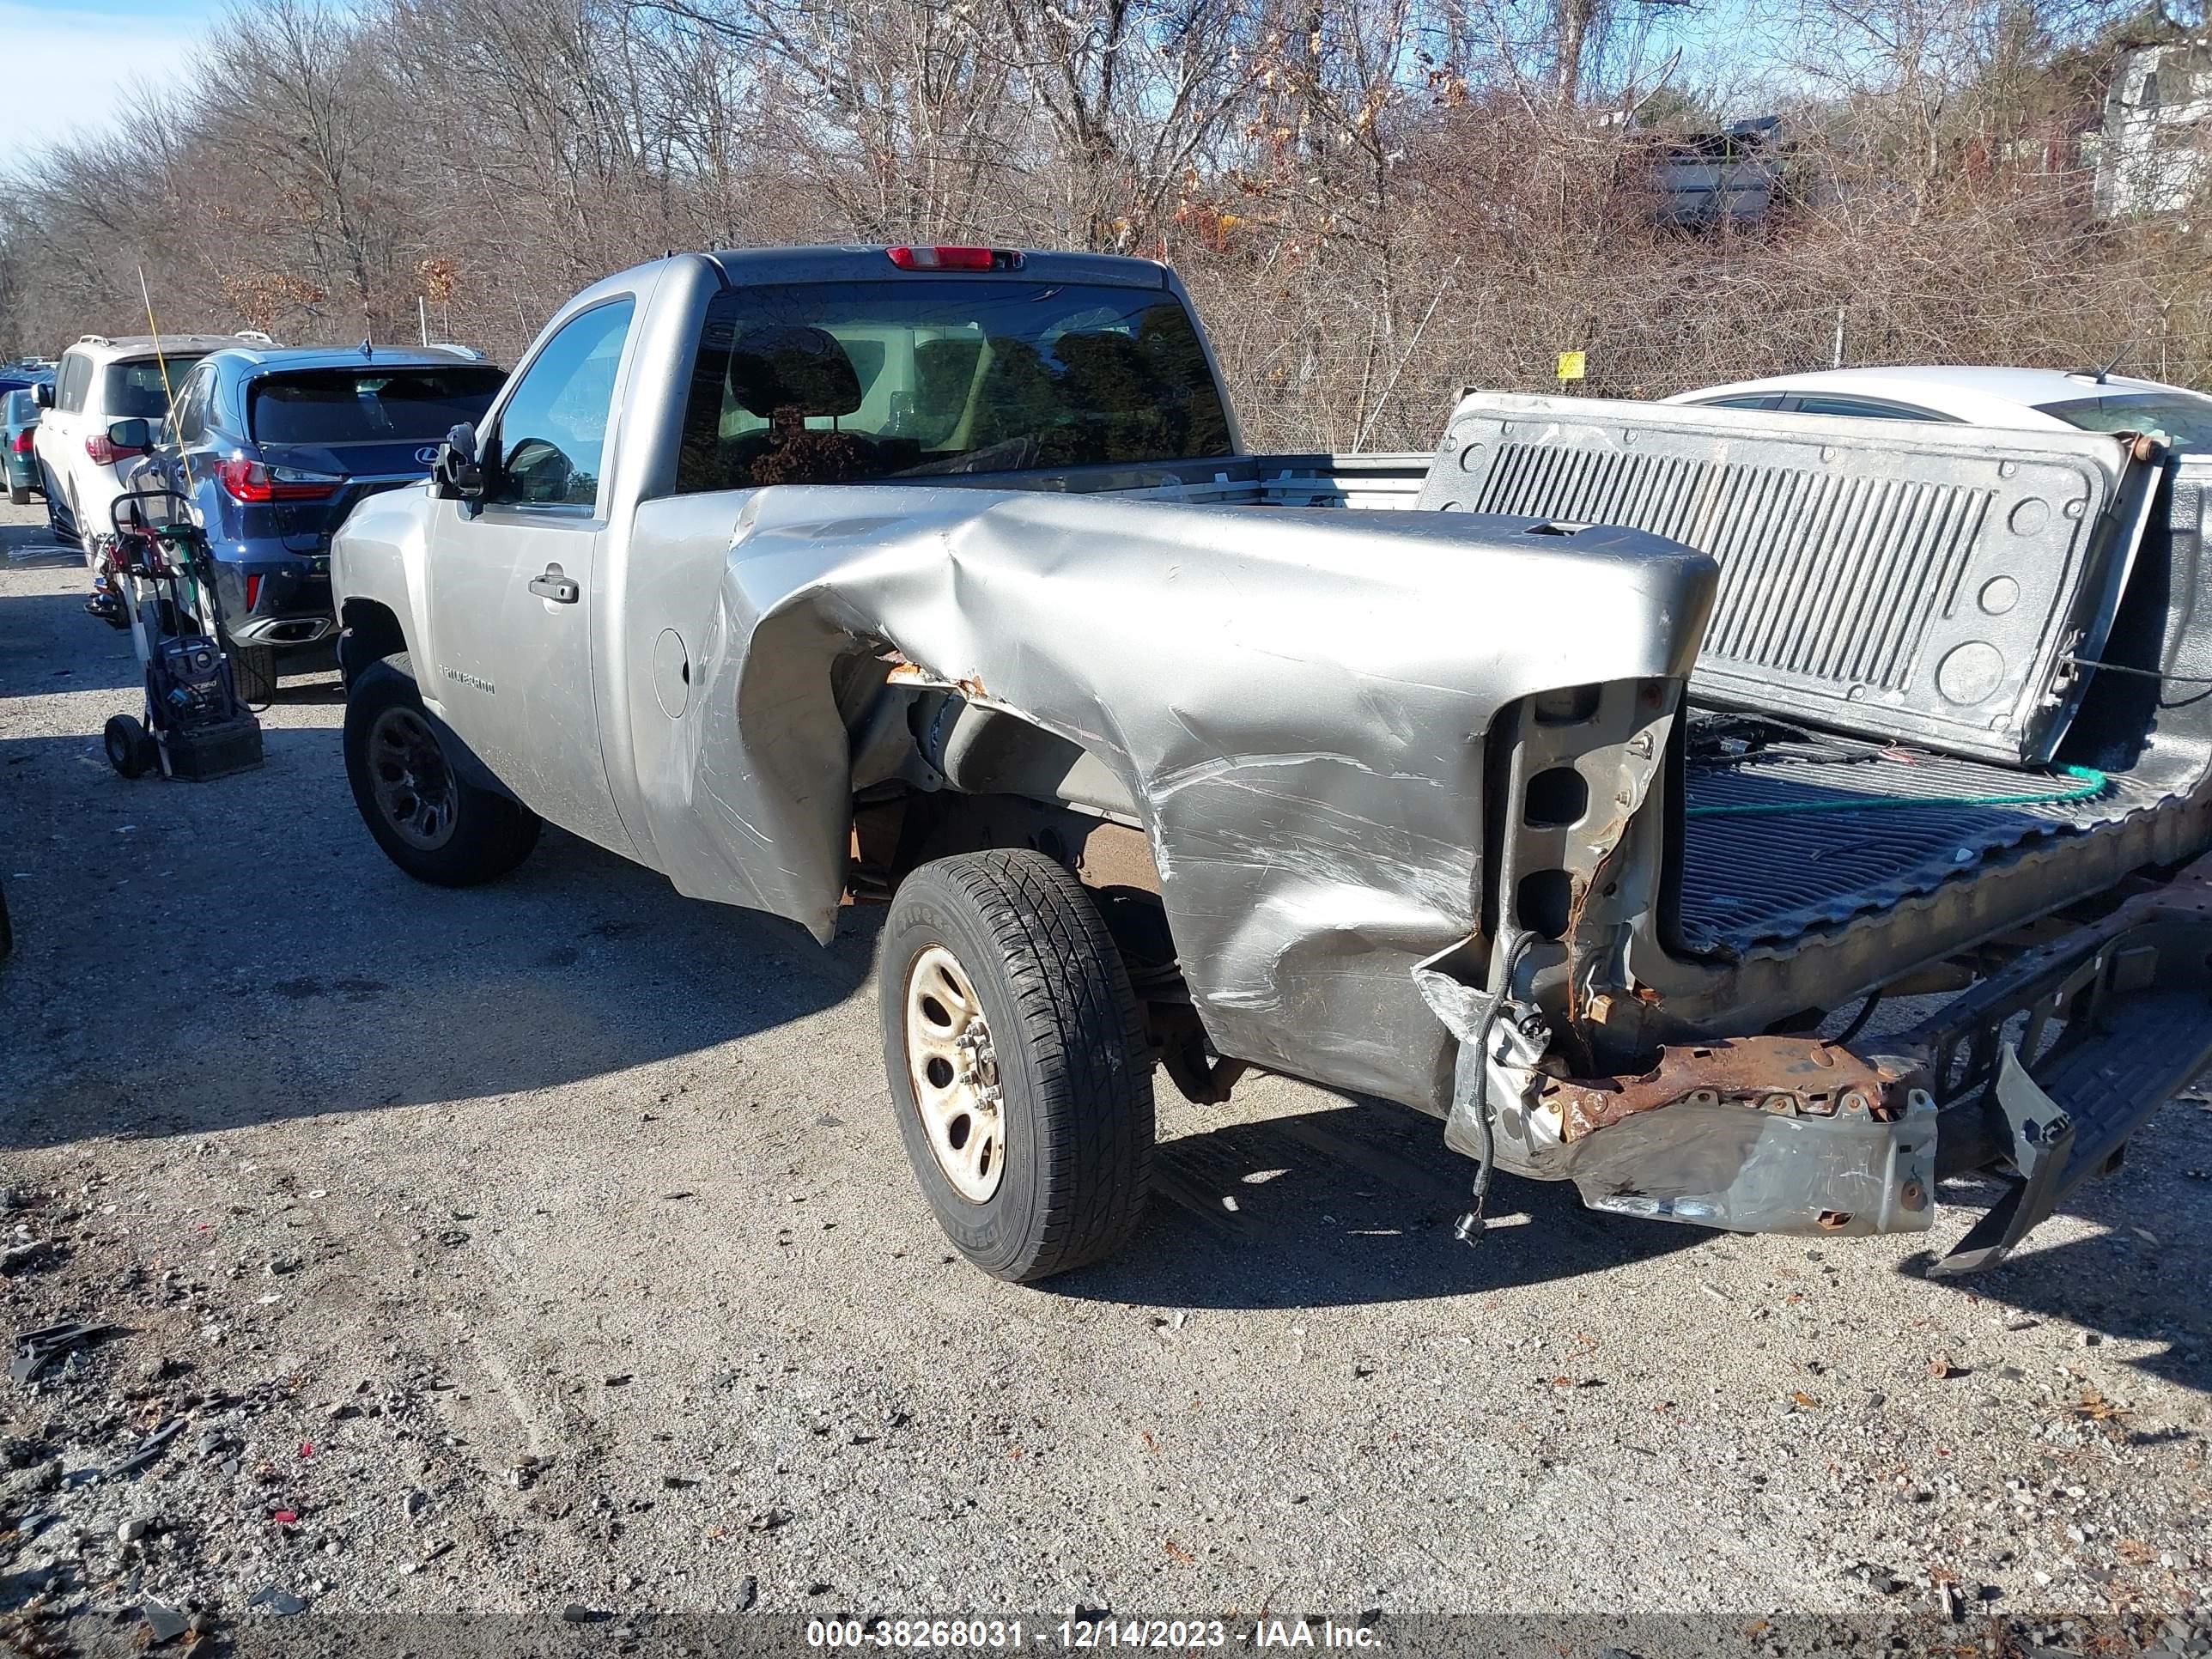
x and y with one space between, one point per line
1813 856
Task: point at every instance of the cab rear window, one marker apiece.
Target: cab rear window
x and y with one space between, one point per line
368 405
850 382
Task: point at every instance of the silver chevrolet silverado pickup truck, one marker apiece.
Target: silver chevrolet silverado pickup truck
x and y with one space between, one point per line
1566 785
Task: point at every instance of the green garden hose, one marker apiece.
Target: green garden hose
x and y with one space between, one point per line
2087 782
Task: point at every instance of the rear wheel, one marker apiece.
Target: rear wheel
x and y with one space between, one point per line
1017 1062
131 747
429 820
19 495
253 672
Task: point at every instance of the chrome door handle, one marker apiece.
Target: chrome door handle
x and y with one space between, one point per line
556 585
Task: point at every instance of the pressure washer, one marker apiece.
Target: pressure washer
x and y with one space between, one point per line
160 575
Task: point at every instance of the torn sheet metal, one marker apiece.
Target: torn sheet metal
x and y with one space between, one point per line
1296 703
1758 1135
1722 1165
1508 1041
1906 581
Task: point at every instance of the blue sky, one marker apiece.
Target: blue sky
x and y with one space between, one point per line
68 61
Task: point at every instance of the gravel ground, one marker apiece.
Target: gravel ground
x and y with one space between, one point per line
549 1247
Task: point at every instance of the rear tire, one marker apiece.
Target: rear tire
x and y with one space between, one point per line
19 495
131 747
253 672
996 976
429 820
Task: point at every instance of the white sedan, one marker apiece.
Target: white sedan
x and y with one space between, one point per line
2015 397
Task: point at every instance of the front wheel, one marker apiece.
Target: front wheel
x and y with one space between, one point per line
1017 1062
429 820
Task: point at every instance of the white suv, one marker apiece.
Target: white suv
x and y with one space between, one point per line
97 382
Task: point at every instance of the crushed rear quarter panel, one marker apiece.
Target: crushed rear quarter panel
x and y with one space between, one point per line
1297 700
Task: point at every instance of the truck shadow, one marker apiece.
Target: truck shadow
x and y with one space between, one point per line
196 957
2140 1278
1345 1207
279 967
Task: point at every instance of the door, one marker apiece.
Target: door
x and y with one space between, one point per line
512 584
59 440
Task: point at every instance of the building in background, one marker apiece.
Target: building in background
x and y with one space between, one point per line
2152 150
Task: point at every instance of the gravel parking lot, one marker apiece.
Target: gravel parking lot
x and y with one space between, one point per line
550 1247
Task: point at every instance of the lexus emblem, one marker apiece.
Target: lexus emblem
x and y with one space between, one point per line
427 454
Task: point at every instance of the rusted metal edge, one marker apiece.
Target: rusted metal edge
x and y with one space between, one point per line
1807 1077
1793 1076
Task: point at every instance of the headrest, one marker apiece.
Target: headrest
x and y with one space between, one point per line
778 367
1109 366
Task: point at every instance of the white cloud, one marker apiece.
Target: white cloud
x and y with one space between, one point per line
67 70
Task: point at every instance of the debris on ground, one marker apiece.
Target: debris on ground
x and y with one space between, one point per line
36 1350
163 1622
16 1257
148 1449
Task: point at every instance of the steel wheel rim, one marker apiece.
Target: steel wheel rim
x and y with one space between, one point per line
955 1072
408 773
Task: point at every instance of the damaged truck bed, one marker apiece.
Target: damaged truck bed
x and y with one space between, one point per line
1565 801
1950 726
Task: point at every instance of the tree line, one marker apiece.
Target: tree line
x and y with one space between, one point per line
1374 202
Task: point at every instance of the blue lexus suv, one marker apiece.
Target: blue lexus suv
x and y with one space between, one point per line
274 446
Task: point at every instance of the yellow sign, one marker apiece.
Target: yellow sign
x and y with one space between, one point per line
1573 365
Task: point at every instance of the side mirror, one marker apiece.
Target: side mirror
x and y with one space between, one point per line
42 393
457 474
132 434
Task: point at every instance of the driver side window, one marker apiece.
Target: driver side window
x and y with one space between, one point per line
553 432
